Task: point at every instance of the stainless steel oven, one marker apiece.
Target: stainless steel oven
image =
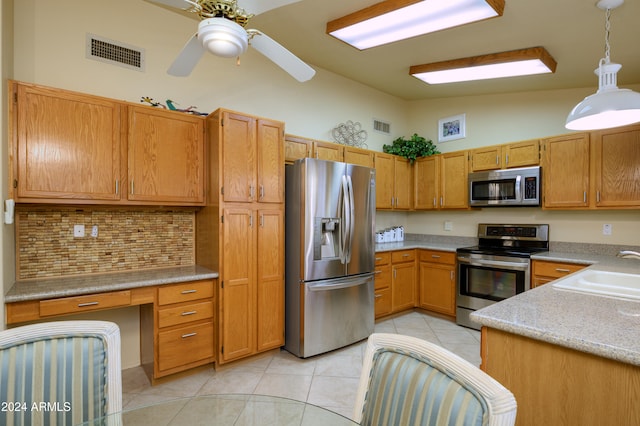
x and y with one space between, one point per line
497 268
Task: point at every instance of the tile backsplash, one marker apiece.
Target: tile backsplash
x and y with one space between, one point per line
127 240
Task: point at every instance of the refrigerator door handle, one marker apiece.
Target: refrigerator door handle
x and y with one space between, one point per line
339 283
346 220
351 214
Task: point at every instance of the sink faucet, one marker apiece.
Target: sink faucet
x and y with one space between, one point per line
629 254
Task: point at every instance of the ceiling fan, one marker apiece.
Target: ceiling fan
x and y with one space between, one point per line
222 32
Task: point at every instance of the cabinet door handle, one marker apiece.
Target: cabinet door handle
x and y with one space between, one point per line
497 160
117 186
187 313
184 336
451 275
584 197
132 187
82 305
261 192
506 159
188 291
377 272
435 203
251 191
394 273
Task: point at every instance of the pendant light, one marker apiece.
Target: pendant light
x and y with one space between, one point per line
609 106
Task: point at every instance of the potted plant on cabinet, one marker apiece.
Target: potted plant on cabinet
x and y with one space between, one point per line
412 148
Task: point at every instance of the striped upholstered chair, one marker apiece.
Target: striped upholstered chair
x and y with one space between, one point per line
408 381
62 373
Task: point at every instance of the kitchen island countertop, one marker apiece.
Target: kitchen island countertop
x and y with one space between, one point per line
603 326
49 288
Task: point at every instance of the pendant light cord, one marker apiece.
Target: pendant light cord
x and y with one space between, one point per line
607 29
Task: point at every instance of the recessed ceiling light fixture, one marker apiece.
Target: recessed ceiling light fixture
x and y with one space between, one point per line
394 20
534 60
609 106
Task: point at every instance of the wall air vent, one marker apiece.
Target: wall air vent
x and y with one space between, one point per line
381 126
114 52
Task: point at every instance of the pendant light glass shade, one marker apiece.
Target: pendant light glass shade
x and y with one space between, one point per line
609 106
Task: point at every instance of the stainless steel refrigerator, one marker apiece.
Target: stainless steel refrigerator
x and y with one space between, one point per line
330 211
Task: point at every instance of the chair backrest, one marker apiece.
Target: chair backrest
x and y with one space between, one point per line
408 381
62 372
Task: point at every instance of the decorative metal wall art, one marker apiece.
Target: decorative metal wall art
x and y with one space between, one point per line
350 133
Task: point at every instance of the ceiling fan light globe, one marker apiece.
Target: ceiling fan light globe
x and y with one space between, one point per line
223 37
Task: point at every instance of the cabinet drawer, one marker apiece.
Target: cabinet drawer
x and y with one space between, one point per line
382 276
382 258
435 256
382 302
555 269
185 345
403 256
185 313
91 302
185 292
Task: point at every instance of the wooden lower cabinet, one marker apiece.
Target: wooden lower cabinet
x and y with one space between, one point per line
438 281
554 385
252 284
543 272
403 280
382 284
184 318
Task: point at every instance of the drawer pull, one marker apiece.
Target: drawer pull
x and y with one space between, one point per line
377 272
188 291
184 336
406 255
378 258
563 270
184 314
435 256
82 305
377 296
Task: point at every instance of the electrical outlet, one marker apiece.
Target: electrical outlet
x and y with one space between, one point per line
78 231
607 229
448 225
94 231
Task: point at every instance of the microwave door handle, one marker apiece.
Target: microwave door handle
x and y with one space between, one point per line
519 188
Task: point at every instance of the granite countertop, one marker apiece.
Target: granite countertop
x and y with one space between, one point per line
409 244
603 326
48 288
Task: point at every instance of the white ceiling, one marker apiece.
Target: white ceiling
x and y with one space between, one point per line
572 31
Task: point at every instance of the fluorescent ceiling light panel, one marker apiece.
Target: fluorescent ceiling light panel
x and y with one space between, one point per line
535 60
394 20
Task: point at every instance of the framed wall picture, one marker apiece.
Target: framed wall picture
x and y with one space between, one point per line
451 128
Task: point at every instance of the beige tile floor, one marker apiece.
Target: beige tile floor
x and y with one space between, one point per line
329 380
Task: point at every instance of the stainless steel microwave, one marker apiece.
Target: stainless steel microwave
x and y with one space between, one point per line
508 188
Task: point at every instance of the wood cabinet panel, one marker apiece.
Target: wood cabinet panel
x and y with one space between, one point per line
382 284
617 167
486 158
328 151
90 302
521 154
296 147
238 154
384 181
182 314
165 156
454 188
270 160
359 156
543 272
185 345
437 287
185 292
65 146
270 279
566 171
403 286
427 182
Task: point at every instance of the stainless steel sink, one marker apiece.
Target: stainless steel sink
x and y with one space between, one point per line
604 283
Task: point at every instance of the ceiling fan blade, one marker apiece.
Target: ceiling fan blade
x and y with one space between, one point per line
178 4
187 58
260 6
281 56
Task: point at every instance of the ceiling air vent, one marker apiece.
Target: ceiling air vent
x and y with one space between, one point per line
114 52
381 126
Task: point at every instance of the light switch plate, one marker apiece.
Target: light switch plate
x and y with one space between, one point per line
78 231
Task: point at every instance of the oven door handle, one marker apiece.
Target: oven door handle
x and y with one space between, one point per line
497 263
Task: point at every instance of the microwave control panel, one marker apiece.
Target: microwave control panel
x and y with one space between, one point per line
530 188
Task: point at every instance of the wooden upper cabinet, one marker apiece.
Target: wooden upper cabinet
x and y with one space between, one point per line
520 154
165 156
270 161
328 151
394 182
66 146
454 169
427 182
565 171
252 152
616 154
359 156
296 147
